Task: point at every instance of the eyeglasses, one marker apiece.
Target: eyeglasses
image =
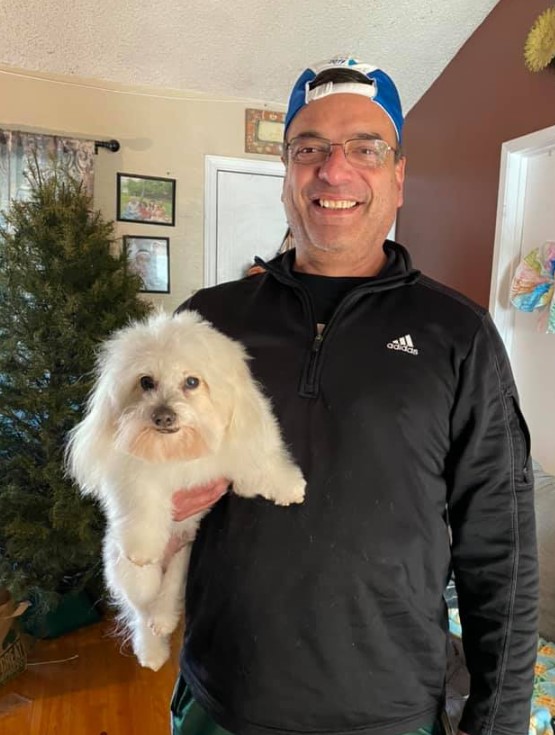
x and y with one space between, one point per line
360 152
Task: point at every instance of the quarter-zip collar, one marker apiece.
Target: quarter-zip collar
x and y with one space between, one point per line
397 272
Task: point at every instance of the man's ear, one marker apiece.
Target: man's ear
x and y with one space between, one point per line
400 179
284 160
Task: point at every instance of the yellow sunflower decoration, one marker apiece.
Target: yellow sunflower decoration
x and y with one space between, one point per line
539 49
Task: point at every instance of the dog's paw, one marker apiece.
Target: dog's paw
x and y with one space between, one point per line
281 482
163 623
294 494
285 485
139 585
153 653
142 561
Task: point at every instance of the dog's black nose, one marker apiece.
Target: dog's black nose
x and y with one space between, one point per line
163 417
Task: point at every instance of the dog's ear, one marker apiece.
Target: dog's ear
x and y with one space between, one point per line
252 419
88 445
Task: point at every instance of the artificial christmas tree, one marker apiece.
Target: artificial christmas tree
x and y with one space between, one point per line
63 289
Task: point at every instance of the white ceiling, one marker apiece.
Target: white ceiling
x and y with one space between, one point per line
234 48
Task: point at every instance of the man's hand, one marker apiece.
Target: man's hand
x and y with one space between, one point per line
188 502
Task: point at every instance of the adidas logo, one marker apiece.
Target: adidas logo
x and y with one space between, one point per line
405 344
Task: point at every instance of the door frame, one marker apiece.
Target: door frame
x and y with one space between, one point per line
212 167
507 251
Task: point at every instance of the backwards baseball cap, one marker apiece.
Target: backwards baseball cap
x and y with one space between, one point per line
374 84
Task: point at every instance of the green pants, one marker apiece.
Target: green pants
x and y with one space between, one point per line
188 717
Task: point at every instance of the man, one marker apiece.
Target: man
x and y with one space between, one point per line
396 398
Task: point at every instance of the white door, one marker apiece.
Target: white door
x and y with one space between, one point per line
526 219
244 215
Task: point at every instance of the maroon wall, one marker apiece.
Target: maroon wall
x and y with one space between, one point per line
453 138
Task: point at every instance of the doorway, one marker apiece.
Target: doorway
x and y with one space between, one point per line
243 215
525 220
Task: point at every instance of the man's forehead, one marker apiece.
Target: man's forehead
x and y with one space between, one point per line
342 112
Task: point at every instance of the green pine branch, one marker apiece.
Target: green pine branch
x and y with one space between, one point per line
64 286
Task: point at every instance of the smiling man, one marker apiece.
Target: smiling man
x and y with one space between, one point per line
396 398
341 198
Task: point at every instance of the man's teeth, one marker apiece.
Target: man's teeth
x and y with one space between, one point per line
337 204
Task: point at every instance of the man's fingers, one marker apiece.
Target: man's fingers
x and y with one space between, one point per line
213 489
188 502
218 489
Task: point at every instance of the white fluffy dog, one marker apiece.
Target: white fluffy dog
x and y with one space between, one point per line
174 406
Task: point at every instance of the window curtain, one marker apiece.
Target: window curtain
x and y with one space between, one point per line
16 148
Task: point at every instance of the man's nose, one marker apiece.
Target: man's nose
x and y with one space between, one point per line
336 168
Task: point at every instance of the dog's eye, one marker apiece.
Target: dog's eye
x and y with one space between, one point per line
191 382
147 383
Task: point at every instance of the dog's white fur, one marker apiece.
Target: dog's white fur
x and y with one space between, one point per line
150 429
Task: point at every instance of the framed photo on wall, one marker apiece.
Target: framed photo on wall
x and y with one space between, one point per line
149 200
264 131
149 258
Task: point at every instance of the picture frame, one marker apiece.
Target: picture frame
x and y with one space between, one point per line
149 258
264 130
147 200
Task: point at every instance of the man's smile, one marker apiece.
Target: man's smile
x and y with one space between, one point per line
337 203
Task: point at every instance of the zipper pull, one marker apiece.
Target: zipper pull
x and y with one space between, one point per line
317 343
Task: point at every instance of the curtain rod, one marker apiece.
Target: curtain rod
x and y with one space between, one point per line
111 145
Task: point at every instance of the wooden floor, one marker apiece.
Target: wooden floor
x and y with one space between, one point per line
100 690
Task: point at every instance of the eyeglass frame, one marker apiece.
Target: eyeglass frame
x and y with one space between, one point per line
397 152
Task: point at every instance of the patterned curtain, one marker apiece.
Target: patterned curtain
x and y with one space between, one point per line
76 156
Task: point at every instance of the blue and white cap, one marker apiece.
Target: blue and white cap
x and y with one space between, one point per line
381 90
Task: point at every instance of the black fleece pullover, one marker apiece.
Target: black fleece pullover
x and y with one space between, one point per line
329 617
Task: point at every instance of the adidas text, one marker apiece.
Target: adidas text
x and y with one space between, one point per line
404 344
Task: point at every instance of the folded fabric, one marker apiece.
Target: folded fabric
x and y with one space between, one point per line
540 722
533 285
